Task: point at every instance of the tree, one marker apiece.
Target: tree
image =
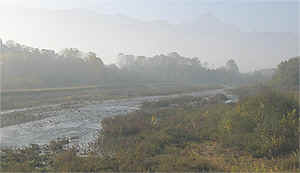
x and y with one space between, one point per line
71 52
232 66
125 60
92 58
287 74
1 44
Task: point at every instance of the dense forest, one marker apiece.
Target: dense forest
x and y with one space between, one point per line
26 67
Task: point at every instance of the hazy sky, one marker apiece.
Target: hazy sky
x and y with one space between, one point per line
55 29
248 15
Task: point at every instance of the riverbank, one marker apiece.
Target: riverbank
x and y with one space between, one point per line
257 134
26 98
182 134
31 105
81 121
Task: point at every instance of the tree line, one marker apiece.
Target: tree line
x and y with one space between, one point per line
27 67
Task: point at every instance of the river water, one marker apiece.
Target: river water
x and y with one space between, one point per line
83 122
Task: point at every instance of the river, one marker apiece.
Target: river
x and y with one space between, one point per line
82 123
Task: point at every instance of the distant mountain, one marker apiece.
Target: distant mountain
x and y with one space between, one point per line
208 23
108 35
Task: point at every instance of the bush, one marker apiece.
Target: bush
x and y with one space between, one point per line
265 125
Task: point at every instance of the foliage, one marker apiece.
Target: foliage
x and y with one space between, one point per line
26 68
287 74
260 126
265 125
258 134
232 66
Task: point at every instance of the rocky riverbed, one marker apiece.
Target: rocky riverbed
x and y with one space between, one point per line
78 121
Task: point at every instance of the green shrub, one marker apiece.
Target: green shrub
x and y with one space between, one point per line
265 125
